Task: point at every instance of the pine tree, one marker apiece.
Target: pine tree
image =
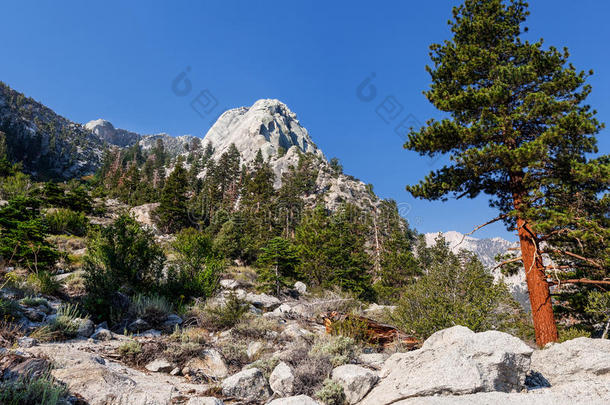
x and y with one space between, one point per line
172 213
332 250
277 264
518 131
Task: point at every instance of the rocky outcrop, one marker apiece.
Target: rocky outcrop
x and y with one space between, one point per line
356 381
281 380
575 360
210 363
271 127
45 143
144 214
114 136
249 385
268 125
454 361
101 381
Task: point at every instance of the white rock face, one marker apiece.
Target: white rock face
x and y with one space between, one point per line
455 361
575 360
374 360
282 380
356 381
107 132
267 125
296 400
249 385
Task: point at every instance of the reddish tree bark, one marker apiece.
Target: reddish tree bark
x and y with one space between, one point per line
538 287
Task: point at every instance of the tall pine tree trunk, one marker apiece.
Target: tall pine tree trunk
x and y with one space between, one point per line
545 327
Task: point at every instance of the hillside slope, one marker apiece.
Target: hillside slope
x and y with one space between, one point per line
48 145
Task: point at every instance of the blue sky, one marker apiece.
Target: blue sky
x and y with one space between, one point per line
116 60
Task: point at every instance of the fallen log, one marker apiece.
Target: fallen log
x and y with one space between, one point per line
373 331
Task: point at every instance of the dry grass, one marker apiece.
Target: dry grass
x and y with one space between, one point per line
9 333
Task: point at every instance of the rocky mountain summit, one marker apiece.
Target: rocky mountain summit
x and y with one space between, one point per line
268 125
271 127
108 133
51 146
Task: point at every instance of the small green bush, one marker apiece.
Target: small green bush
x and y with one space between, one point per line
43 282
9 310
572 333
62 221
123 257
196 269
152 308
456 290
34 302
221 317
331 393
63 327
266 365
131 348
340 349
351 327
30 390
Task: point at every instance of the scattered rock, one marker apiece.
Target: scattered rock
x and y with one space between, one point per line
254 348
26 342
138 325
144 214
374 360
249 385
33 314
300 287
106 382
175 371
86 327
262 300
210 363
575 360
229 284
356 381
149 333
204 401
171 322
454 361
159 365
282 380
102 334
296 400
254 310
294 331
284 310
